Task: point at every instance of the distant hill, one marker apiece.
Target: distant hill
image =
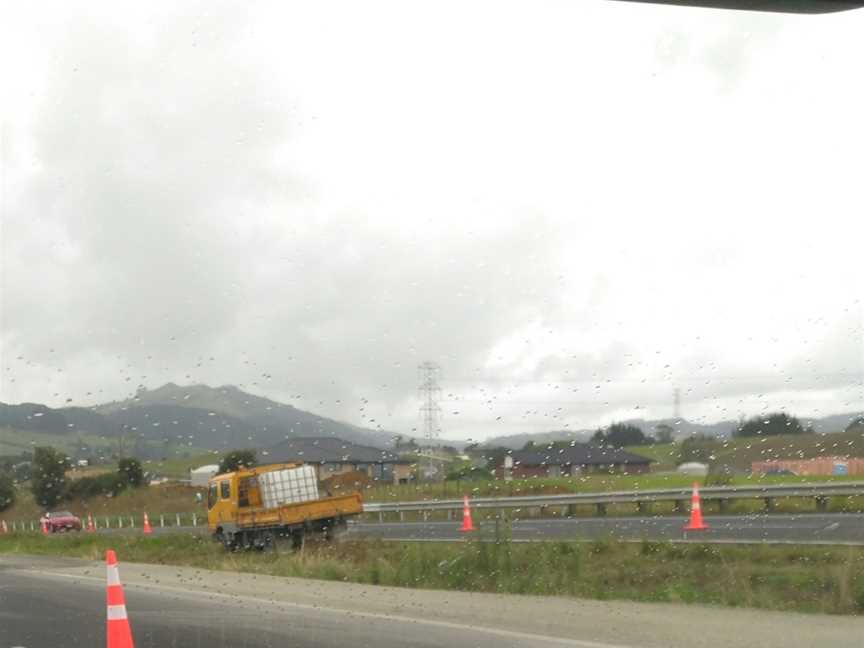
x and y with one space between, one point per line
682 429
197 415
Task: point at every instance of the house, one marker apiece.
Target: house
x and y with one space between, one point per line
332 456
572 459
201 475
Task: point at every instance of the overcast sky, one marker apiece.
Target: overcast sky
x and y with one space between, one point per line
572 207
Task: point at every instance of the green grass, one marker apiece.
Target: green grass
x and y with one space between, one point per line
739 454
802 579
178 467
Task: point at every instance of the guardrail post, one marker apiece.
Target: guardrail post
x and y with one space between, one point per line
601 509
178 519
401 516
131 522
821 504
194 519
571 510
425 515
380 516
32 525
119 522
724 505
161 520
769 504
107 522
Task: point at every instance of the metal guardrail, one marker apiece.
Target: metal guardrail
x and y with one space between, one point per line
820 492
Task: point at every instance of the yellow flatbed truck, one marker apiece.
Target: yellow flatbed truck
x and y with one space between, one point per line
275 505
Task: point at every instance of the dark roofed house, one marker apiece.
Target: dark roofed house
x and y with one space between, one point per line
332 456
571 460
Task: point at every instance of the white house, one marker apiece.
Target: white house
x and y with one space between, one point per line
201 475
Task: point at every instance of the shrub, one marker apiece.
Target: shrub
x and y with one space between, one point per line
48 481
7 491
131 472
236 459
108 484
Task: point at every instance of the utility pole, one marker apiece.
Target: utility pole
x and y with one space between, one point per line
430 411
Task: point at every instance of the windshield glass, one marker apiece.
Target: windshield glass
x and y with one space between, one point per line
549 315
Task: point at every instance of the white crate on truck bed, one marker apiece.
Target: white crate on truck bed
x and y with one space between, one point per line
289 486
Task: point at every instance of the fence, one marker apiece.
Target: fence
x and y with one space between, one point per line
166 520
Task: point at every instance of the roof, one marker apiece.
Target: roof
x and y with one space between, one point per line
205 469
328 450
577 453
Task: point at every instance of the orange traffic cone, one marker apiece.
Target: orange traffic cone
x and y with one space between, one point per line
467 524
44 523
90 526
118 634
147 530
696 523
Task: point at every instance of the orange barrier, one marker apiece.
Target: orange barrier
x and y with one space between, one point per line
147 530
696 523
467 523
118 633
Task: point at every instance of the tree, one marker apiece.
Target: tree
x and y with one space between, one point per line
7 490
130 472
236 459
770 425
664 433
621 434
696 448
48 480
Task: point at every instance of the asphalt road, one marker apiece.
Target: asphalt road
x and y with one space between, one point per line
841 528
48 602
836 528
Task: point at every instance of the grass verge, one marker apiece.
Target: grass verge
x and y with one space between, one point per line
803 579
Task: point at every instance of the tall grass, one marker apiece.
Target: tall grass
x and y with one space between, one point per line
804 579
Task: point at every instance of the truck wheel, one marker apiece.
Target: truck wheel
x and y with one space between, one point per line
226 540
335 530
280 541
298 538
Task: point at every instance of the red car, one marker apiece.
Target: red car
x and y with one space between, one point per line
59 521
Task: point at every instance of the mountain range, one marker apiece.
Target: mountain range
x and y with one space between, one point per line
217 418
196 415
